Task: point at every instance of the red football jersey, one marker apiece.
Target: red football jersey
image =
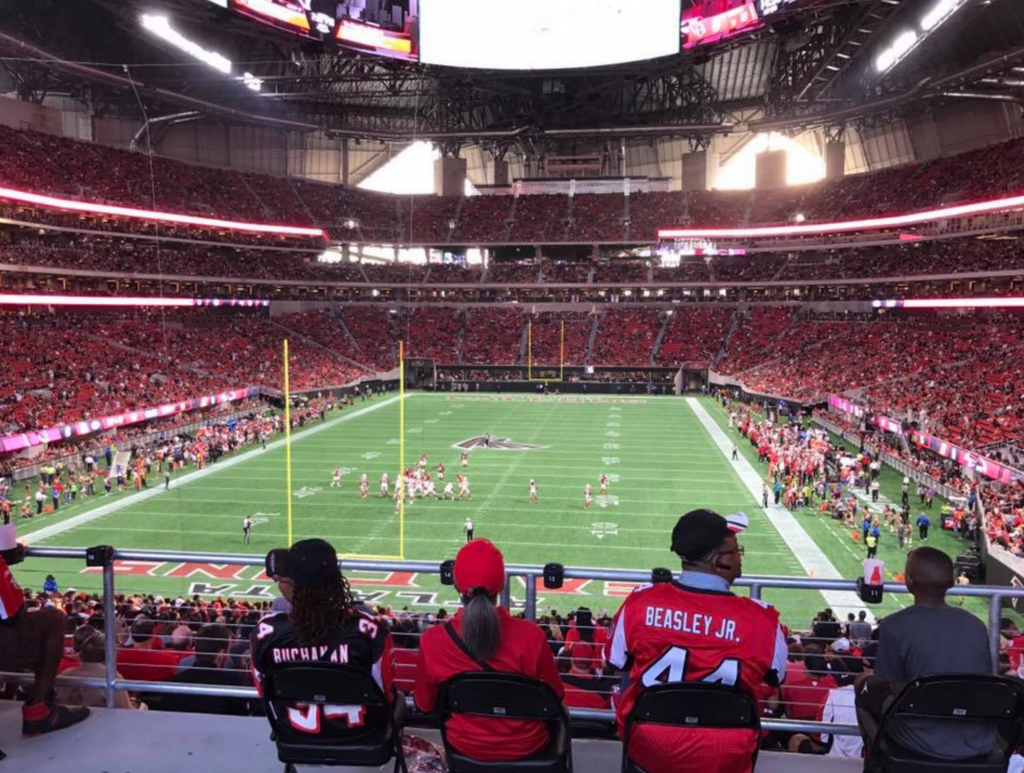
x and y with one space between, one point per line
12 598
668 633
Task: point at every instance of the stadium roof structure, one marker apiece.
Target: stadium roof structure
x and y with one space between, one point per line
813 63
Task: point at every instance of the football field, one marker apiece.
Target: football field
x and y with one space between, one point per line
663 456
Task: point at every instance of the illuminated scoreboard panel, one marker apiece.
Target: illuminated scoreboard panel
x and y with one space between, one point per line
318 20
460 32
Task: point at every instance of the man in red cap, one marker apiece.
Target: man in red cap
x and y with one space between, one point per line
483 636
323 626
695 629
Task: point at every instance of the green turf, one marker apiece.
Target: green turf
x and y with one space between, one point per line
662 463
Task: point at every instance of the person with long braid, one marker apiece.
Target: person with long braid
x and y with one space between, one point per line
483 636
324 625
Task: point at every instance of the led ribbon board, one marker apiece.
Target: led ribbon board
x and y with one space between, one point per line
90 208
963 457
127 301
951 303
25 440
844 226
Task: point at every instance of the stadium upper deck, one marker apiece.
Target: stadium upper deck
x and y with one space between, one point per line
88 172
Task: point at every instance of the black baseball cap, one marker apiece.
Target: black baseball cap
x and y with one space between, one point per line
698 533
310 563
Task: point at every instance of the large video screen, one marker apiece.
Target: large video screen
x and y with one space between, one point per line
546 34
709 21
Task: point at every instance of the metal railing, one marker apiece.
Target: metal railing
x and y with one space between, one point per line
111 683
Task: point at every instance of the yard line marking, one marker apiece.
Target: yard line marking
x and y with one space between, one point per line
600 546
811 557
418 522
80 520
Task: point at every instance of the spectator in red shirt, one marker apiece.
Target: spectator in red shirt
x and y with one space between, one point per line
807 683
484 636
1014 647
586 640
33 640
584 689
146 659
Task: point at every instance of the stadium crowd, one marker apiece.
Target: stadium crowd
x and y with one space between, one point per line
802 675
49 164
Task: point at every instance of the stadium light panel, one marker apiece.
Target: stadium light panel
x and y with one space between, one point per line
908 40
161 27
251 82
843 226
91 208
941 11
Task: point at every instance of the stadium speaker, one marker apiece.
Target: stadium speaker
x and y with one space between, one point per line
554 575
101 555
448 572
661 574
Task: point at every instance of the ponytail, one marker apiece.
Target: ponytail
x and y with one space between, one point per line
481 626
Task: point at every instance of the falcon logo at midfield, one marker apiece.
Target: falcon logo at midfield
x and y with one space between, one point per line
494 442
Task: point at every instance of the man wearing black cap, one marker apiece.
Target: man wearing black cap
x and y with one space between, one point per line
695 629
323 626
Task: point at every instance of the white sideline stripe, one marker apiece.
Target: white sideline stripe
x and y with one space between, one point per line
806 550
133 499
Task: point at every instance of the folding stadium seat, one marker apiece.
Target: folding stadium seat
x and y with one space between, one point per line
692 706
958 701
322 685
508 696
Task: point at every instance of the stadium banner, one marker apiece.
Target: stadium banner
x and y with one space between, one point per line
25 440
963 457
844 405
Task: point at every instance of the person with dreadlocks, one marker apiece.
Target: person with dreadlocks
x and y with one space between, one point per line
325 626
483 636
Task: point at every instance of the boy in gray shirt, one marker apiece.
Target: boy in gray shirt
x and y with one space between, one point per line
930 638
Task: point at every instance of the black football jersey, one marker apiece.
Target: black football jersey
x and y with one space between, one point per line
362 642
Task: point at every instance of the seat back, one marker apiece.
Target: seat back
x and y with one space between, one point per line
958 703
329 714
499 695
692 706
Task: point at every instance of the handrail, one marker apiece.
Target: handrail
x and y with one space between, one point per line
529 573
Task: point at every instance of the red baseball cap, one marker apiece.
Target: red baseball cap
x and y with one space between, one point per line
479 565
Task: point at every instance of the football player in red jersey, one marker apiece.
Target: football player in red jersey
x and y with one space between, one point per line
324 626
695 629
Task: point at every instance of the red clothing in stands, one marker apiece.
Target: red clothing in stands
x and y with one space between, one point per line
404 668
668 632
1014 650
592 650
804 693
585 692
12 597
523 650
148 665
